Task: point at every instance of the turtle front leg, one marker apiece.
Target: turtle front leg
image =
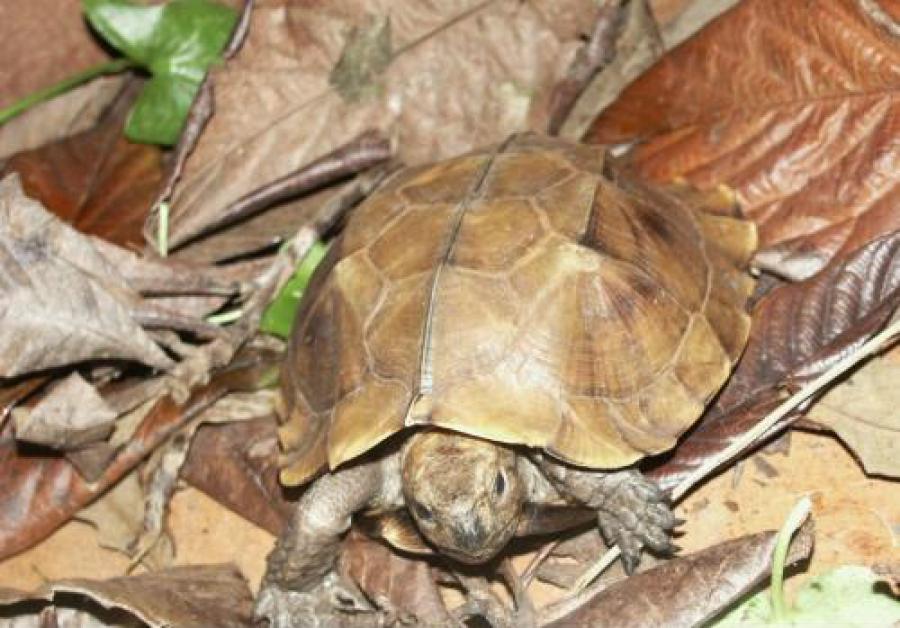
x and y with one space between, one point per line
305 553
631 510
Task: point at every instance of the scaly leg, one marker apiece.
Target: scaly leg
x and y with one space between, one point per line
307 549
631 510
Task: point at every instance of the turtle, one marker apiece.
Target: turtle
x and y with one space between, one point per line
503 331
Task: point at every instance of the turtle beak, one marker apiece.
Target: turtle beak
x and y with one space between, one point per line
473 542
471 537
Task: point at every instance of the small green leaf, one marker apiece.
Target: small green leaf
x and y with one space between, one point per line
176 43
278 319
843 597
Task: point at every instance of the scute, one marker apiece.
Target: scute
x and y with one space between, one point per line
529 293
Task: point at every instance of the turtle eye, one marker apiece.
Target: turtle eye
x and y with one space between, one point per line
499 484
422 512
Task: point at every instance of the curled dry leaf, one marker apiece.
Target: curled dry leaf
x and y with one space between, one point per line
686 591
61 302
456 75
798 331
196 595
97 181
70 416
793 105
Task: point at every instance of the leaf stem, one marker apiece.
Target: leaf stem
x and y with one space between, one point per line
794 520
113 66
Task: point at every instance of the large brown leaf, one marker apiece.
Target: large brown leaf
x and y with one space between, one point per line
97 181
798 331
441 77
795 105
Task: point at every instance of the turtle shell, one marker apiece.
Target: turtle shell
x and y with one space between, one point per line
529 294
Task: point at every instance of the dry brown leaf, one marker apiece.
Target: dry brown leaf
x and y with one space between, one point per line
70 416
862 411
196 595
61 302
403 586
461 74
97 181
794 105
63 116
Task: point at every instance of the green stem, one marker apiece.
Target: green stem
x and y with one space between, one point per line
794 520
110 67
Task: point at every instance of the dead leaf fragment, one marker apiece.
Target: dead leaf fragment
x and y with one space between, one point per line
794 105
195 595
119 515
70 416
862 411
462 74
61 302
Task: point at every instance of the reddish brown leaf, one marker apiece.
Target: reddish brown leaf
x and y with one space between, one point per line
43 491
441 78
688 591
794 105
798 331
235 464
97 181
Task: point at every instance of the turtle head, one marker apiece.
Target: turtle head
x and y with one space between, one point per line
464 493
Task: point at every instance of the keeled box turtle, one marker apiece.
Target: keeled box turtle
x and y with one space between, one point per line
497 332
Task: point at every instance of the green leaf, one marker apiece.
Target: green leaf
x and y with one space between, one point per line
176 43
843 597
278 319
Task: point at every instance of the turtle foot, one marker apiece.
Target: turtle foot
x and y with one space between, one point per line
634 514
335 603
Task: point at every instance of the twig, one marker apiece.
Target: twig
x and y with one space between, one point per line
759 432
363 152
